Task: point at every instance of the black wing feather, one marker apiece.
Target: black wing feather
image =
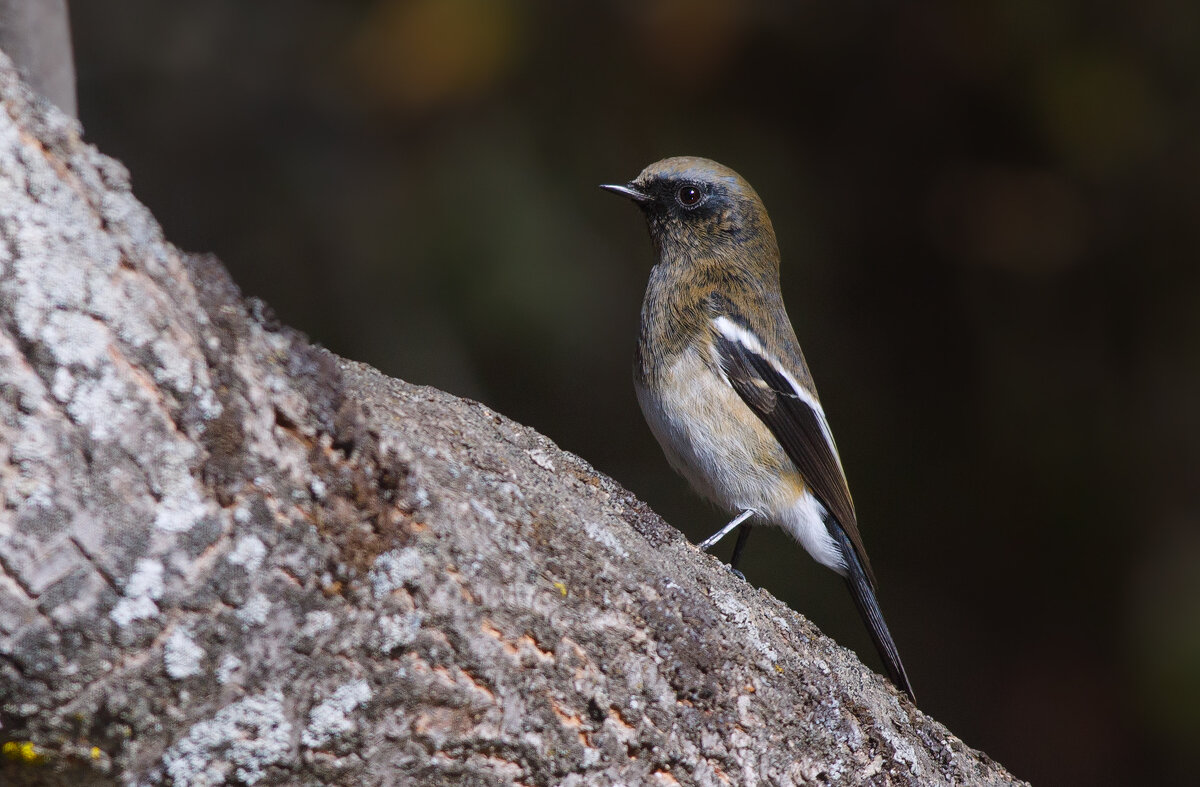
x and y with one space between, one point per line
798 429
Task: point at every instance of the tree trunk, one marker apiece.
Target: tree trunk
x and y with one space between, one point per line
36 34
229 556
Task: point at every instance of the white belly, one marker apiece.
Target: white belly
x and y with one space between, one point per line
729 456
711 437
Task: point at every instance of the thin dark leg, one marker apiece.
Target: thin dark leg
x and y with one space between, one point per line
711 541
743 537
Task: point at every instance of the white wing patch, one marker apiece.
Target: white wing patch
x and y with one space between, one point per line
736 333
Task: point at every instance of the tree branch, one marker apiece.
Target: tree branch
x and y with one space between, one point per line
36 34
226 555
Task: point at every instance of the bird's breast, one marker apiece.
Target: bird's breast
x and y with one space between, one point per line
713 439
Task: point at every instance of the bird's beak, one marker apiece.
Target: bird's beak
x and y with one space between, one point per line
629 191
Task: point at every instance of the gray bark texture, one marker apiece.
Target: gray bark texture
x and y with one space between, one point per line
227 556
36 34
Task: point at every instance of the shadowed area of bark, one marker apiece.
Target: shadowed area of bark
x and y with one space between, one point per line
229 556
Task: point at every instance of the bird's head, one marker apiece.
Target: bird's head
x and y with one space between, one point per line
697 208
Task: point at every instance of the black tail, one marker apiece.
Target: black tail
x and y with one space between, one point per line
868 607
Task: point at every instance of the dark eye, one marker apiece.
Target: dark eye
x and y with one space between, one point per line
689 196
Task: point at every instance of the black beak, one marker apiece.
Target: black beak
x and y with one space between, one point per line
629 191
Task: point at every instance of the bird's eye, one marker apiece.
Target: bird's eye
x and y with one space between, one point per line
689 196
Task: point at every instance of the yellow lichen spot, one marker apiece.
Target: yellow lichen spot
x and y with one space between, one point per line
24 751
561 588
95 752
778 668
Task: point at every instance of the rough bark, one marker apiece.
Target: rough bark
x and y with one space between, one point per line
229 556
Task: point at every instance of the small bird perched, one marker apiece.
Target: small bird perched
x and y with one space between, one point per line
723 384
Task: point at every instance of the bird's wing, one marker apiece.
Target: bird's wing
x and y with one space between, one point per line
794 416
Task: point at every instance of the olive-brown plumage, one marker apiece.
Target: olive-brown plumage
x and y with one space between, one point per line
722 381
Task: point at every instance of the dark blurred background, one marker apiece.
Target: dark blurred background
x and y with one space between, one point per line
989 214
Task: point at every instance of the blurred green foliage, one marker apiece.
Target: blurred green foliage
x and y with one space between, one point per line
989 214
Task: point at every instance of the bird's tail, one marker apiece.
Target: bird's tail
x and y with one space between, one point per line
868 607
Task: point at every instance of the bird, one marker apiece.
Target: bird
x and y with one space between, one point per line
724 386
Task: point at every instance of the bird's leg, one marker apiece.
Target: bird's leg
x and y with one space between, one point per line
743 537
709 542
